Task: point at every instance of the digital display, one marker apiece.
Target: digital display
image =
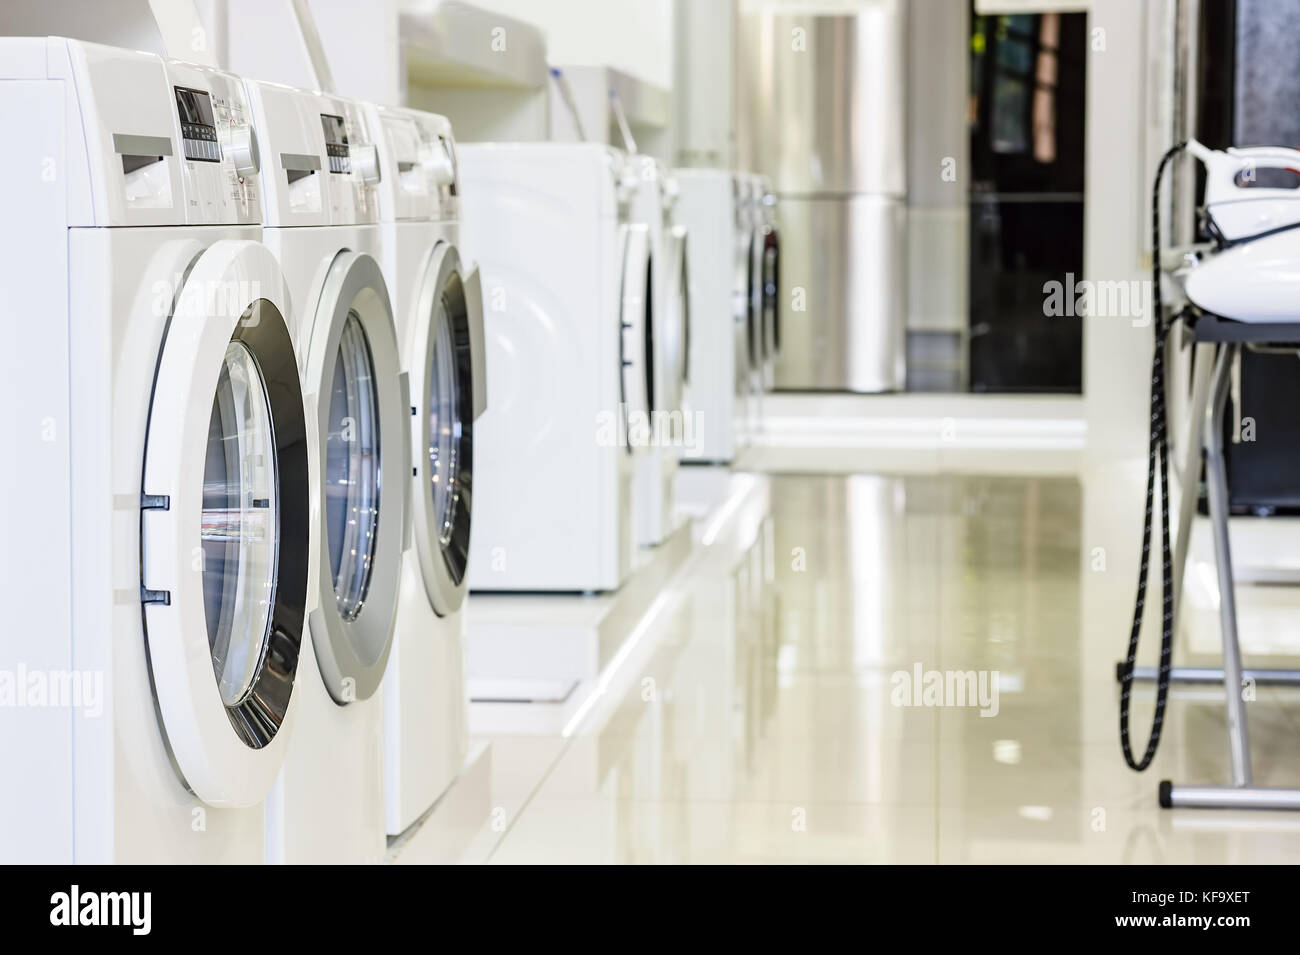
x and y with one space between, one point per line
198 129
336 143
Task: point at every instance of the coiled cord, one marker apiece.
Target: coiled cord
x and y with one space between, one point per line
1157 462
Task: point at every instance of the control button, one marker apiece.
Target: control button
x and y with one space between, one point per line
365 161
437 162
241 150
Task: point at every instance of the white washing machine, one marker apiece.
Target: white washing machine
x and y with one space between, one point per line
710 208
439 312
566 286
669 429
771 278
321 221
165 472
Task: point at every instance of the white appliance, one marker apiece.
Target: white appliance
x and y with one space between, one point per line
439 313
566 286
158 418
321 222
668 429
710 208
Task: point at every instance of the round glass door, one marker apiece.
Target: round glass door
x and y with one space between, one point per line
442 390
240 529
360 398
352 475
756 304
647 318
636 332
771 283
684 311
445 425
225 520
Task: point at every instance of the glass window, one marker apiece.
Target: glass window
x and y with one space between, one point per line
240 524
352 469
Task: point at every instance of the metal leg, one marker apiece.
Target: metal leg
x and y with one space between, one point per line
1190 472
1216 478
1213 675
1188 480
1242 794
1228 797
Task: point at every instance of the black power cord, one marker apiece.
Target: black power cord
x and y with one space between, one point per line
1157 460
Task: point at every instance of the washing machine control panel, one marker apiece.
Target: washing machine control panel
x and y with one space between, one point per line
404 187
121 154
220 160
417 155
198 126
352 162
336 144
438 159
289 134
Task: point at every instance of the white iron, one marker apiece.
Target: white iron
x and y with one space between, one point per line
1256 277
1238 208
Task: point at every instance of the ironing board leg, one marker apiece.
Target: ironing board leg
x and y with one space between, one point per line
1217 485
1228 797
1190 473
1242 794
1214 675
1189 478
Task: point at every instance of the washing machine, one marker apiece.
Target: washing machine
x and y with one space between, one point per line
322 224
771 279
668 430
710 208
438 308
567 283
159 422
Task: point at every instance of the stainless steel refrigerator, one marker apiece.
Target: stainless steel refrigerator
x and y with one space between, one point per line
820 105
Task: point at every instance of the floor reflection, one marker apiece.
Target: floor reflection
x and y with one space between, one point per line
763 722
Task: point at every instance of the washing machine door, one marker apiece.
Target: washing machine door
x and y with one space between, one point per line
756 301
742 305
636 325
224 525
771 292
448 393
678 311
359 408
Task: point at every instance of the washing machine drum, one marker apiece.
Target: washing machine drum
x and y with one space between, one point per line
446 373
224 525
361 408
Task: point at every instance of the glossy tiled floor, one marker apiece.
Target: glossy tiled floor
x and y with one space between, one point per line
757 719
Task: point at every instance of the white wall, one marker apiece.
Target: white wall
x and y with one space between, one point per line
635 36
1117 355
705 113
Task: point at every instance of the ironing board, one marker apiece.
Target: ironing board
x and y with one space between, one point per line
1217 342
